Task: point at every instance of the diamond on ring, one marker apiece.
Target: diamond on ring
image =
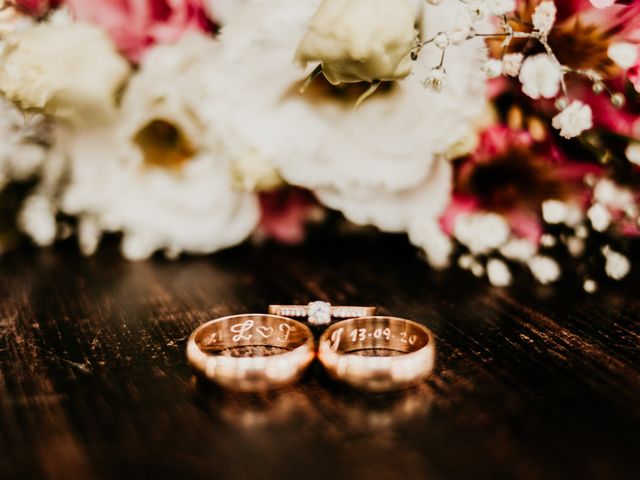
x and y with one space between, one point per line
319 313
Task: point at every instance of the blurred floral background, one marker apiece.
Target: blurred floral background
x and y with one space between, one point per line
501 136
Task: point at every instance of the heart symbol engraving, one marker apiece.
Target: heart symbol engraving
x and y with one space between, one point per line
266 332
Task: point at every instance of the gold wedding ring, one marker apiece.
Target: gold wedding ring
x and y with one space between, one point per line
377 353
321 313
251 352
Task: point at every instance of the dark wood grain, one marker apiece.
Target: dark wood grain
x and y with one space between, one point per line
530 382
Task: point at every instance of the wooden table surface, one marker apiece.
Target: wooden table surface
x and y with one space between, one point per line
530 382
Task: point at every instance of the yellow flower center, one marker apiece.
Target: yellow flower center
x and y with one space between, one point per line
163 144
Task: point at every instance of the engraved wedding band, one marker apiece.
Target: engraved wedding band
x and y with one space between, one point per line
377 353
251 352
320 313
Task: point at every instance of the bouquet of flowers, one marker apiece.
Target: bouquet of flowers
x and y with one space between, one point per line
496 134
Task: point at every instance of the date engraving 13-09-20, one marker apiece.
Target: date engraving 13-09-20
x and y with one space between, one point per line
361 334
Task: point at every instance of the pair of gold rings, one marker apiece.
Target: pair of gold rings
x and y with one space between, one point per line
255 352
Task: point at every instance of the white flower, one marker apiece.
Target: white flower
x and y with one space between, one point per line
576 246
430 237
519 249
548 240
223 10
88 235
159 173
441 40
498 273
435 79
544 269
633 153
544 17
554 211
617 266
624 54
252 173
500 7
599 216
37 219
573 120
394 177
360 40
397 210
590 285
540 76
493 68
71 72
465 261
611 195
22 148
477 269
461 27
557 211
12 20
511 64
481 232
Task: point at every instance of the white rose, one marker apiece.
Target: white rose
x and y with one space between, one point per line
573 120
379 164
71 72
360 40
390 141
160 174
394 178
540 76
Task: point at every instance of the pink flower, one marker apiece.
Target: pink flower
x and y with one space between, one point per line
285 214
36 8
136 25
512 175
497 139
